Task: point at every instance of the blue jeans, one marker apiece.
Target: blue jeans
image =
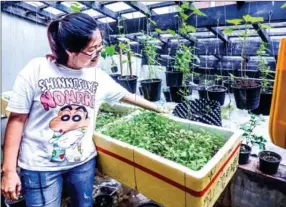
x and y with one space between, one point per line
44 188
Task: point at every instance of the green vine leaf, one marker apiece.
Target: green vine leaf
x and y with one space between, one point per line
122 46
198 12
250 19
75 8
283 6
234 21
227 31
171 32
191 28
265 26
185 5
158 30
110 50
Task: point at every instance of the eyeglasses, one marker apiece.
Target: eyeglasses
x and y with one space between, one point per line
95 53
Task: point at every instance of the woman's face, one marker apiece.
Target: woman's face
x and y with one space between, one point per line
89 56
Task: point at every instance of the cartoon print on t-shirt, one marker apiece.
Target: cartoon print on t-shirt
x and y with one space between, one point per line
69 128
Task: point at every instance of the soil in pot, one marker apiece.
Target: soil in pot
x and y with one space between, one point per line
269 162
264 104
217 93
179 92
115 77
246 94
151 89
103 200
203 93
128 82
174 78
114 69
227 84
244 154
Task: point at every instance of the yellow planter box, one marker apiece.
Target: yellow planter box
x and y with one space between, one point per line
4 103
167 182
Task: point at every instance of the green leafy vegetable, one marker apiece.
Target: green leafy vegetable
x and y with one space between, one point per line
167 138
227 31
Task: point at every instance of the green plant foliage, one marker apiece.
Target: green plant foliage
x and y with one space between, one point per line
248 134
171 32
250 19
283 6
75 7
227 31
150 51
262 65
158 30
234 21
108 51
265 26
198 12
167 138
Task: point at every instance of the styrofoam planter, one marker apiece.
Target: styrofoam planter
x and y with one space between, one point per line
167 182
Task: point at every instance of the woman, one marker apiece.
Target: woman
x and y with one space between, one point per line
52 117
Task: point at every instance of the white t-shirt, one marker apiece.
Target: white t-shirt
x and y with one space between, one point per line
62 104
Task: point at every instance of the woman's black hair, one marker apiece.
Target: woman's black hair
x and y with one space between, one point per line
73 33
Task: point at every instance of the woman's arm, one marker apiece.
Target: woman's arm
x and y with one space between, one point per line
13 135
141 102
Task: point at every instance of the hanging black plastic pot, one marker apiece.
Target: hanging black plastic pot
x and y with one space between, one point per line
179 93
103 200
128 82
269 162
217 93
174 78
200 110
151 89
244 154
115 77
227 84
246 94
114 69
264 104
203 93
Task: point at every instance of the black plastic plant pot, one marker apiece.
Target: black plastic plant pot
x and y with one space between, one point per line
246 97
115 77
167 95
141 91
149 204
217 93
114 69
227 84
200 110
128 82
269 162
203 93
244 154
264 104
103 200
19 203
174 78
151 89
178 93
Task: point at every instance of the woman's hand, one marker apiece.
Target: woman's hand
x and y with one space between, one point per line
11 185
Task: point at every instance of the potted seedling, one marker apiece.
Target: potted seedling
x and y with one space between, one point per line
269 162
109 52
151 87
217 92
250 139
246 91
266 89
127 81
